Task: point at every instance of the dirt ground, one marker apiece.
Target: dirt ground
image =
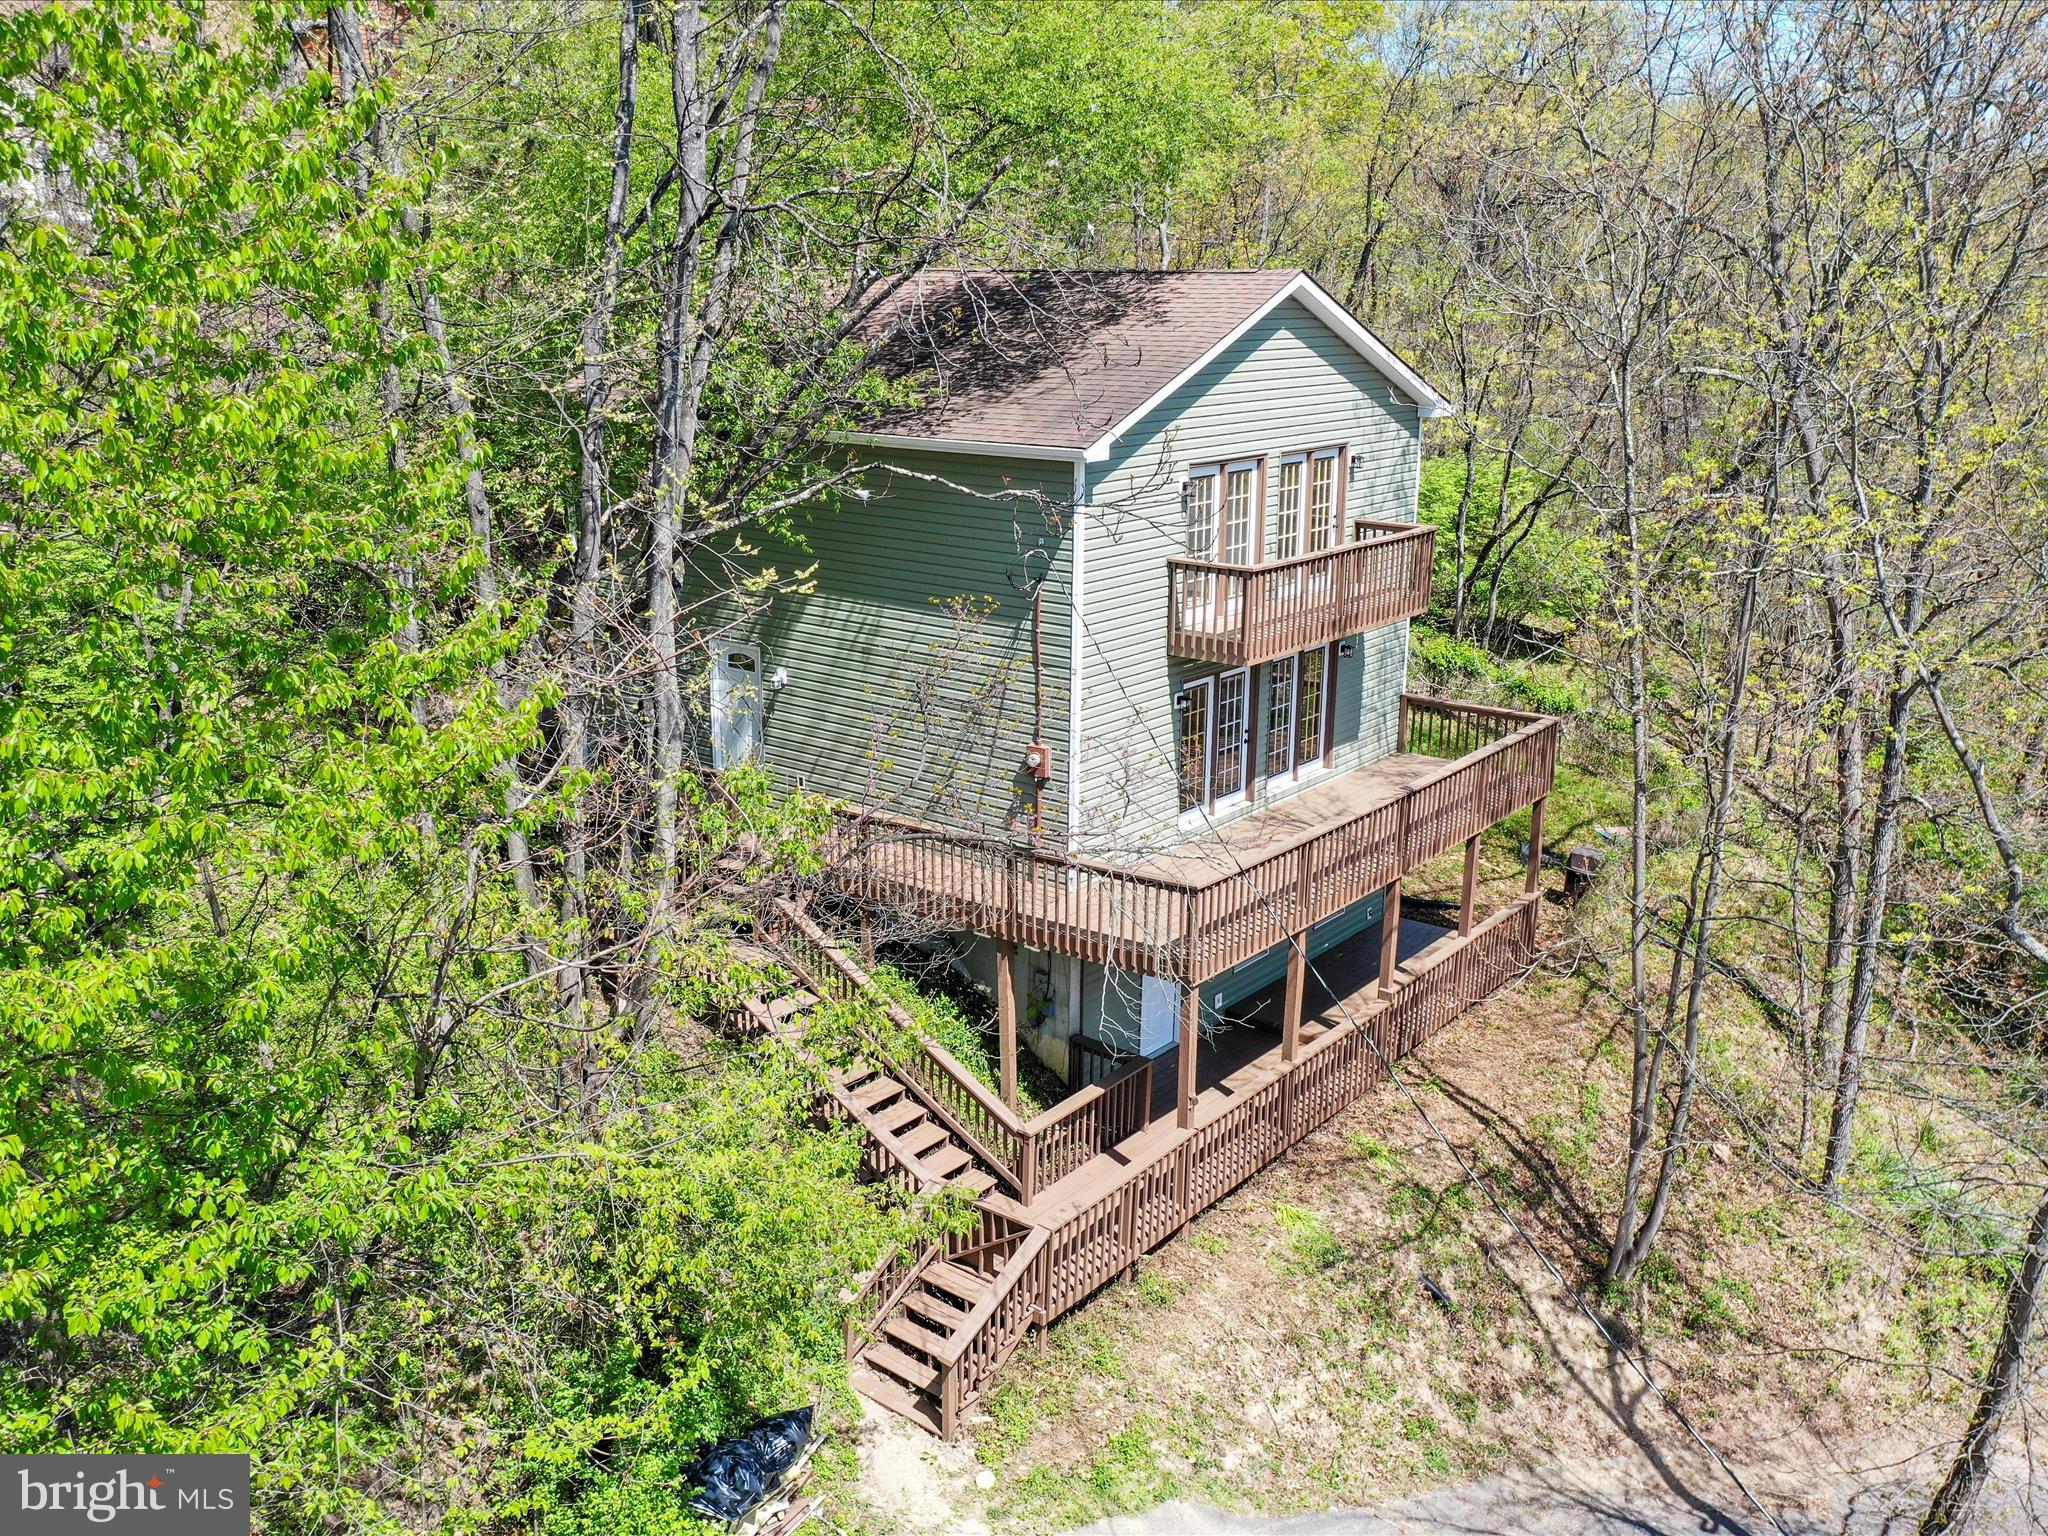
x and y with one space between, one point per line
1358 1341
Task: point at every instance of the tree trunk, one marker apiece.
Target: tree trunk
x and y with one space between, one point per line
692 329
676 441
1869 938
1702 908
592 505
1645 1079
1955 1503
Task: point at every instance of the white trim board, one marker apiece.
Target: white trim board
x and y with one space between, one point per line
1077 640
1317 300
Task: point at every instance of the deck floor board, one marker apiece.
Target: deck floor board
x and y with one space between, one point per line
1224 848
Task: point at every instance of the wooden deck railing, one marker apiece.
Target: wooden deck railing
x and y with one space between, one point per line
1191 930
1056 902
1059 1265
986 1247
988 1126
1027 1155
1090 1060
1241 615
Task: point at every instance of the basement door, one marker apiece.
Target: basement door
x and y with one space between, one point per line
735 705
1158 1015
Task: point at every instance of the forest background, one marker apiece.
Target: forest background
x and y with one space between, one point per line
381 383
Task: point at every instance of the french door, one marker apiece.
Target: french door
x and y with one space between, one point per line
1325 500
1287 491
1280 677
1212 741
1230 756
1312 707
1220 512
1193 711
1297 713
1237 537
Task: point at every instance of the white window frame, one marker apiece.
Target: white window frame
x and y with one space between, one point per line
1320 764
1242 795
1335 458
1192 815
1211 685
1290 772
1213 473
1254 523
1299 463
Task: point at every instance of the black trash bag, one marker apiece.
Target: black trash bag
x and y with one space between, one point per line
737 1474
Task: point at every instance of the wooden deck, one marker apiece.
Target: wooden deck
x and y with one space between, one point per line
1040 1258
1242 1056
1243 615
1117 1168
1227 849
1192 912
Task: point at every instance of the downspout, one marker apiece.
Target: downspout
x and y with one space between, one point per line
1077 636
1037 704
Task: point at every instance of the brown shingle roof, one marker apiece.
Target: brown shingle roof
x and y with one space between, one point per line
1050 359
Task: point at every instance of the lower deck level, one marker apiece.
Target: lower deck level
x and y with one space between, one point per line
1084 1189
1241 1054
1341 983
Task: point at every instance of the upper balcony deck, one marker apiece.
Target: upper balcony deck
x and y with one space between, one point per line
1243 615
1193 911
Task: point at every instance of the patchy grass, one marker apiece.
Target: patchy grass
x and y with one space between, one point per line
1124 1477
1312 1244
1375 1158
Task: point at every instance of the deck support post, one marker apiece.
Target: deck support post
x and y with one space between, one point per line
1535 869
1471 882
1006 1016
1297 982
1390 938
1190 1035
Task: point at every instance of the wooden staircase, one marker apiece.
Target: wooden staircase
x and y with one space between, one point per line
907 1139
902 1366
903 1125
943 1297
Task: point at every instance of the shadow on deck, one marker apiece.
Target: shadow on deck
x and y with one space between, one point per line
1340 979
1243 1055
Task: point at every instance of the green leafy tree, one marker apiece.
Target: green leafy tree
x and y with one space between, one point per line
241 692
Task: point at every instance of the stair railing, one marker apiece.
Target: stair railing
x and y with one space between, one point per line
882 1291
989 1127
1028 1155
991 1332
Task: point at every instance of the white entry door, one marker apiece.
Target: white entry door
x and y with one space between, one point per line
1158 1015
735 705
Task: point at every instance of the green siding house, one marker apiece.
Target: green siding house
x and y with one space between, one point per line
1108 621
